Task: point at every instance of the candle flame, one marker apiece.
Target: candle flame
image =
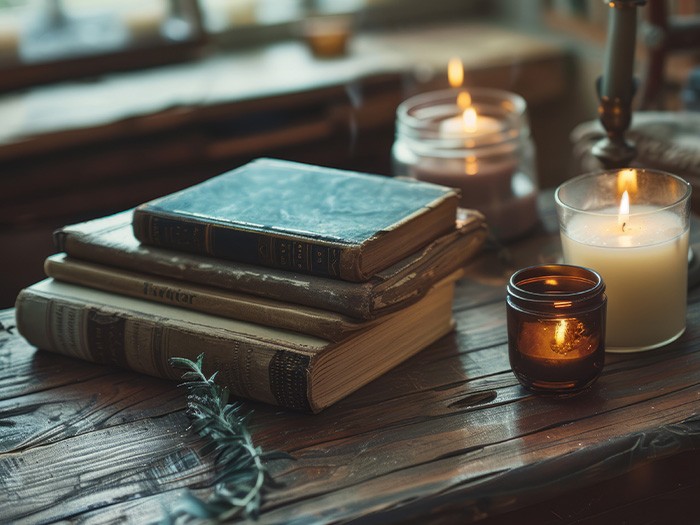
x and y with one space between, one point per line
455 72
623 219
560 332
469 120
471 165
455 75
627 181
464 100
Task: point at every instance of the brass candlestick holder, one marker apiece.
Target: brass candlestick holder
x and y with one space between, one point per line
617 85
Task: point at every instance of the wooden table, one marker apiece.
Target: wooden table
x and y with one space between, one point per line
449 435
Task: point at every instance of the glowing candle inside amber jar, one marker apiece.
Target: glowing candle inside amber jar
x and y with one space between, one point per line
556 327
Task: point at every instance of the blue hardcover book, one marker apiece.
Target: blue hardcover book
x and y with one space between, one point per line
280 214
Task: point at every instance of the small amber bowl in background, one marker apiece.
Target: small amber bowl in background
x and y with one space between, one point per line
327 36
556 327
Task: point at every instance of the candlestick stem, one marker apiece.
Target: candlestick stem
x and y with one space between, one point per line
617 85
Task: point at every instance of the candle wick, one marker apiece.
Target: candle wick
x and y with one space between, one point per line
623 227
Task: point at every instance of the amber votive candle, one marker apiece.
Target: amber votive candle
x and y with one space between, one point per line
556 327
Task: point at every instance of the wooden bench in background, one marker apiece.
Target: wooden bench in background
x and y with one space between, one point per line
79 150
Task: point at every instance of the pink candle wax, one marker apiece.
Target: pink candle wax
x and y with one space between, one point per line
506 196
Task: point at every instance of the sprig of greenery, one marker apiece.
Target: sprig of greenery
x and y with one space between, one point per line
242 478
7 329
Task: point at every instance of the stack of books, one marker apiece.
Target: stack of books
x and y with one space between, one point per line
299 284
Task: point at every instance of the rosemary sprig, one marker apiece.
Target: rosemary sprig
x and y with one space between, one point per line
242 478
7 329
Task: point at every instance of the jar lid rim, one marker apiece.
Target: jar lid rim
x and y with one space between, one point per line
538 272
562 203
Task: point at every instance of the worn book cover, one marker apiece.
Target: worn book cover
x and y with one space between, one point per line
259 362
308 219
110 241
216 301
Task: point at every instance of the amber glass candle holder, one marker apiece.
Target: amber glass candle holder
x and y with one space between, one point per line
556 327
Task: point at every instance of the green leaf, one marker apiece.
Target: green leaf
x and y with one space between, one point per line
241 478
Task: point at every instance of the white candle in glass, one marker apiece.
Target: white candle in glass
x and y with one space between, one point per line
469 125
641 251
490 157
485 167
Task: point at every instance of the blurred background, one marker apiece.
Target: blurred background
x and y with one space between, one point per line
106 104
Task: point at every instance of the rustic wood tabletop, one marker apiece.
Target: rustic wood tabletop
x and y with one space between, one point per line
449 435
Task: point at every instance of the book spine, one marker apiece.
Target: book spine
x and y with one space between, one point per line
244 246
351 299
219 302
111 336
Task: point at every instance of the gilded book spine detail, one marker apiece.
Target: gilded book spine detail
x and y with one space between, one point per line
63 327
252 369
179 235
105 335
298 256
288 380
243 246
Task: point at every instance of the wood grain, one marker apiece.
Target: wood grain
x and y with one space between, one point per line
448 435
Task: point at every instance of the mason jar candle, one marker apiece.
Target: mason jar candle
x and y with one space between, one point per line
477 140
556 327
632 227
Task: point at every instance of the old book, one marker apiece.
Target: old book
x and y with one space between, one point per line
110 241
216 301
257 362
334 223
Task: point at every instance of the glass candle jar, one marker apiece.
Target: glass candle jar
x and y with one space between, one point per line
631 226
477 140
556 327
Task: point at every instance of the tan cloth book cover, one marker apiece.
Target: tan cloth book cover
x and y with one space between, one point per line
258 362
216 301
